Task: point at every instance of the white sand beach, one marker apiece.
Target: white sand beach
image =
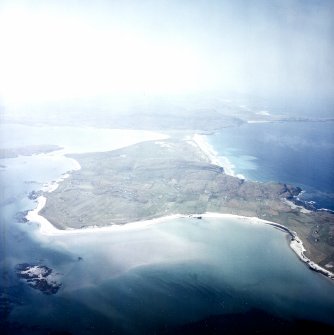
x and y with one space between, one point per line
46 228
214 158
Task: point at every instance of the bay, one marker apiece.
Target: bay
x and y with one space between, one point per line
156 279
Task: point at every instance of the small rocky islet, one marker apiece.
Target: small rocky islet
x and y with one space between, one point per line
39 277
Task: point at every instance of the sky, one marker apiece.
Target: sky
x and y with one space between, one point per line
58 50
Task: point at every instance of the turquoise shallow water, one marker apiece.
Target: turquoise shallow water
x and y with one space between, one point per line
150 280
300 153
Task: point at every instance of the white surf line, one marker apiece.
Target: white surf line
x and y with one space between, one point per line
213 156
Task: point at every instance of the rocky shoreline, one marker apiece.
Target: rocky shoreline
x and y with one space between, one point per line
296 245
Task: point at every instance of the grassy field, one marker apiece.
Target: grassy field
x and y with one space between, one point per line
158 178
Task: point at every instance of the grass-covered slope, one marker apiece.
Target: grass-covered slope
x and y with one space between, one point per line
154 179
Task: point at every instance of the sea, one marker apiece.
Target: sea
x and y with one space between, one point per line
181 276
296 153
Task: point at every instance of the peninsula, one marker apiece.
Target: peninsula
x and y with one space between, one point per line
28 150
158 178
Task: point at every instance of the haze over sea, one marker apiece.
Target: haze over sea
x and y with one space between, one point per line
141 281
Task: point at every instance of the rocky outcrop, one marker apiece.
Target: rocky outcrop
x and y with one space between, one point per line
39 277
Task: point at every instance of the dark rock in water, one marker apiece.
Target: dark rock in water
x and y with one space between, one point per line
290 192
33 195
39 277
309 205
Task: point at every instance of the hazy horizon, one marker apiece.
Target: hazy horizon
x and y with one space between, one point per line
59 51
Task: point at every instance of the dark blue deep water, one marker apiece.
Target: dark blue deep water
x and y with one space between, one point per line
299 153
